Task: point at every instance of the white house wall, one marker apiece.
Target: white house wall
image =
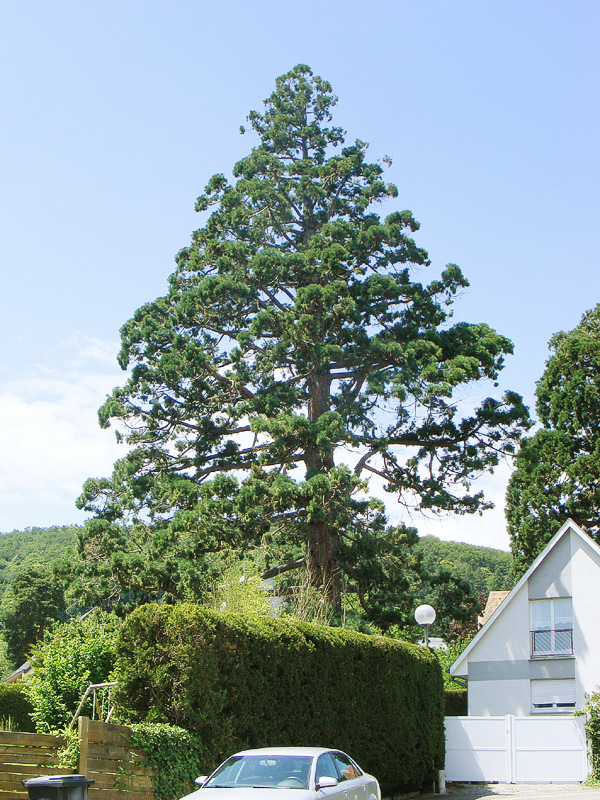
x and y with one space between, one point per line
492 698
500 668
553 577
586 616
498 683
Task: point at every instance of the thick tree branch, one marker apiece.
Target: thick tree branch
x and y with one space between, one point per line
275 571
222 379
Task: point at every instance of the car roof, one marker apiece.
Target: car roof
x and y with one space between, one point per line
285 751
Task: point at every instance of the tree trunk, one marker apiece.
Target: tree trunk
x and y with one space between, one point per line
322 565
321 558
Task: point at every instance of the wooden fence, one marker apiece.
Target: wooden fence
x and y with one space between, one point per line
27 755
106 756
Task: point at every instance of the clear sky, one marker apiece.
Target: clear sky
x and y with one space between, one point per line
115 114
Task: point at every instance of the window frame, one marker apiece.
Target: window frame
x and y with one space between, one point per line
553 633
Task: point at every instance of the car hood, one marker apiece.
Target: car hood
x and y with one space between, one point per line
248 793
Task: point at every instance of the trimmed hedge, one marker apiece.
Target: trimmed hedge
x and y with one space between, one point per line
16 706
244 682
455 702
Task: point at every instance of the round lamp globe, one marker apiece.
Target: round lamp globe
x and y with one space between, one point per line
425 615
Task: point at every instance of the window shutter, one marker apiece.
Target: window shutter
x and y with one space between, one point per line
550 694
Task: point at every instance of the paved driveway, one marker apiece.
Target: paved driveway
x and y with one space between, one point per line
520 791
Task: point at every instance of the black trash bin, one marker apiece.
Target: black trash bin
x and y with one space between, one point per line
58 787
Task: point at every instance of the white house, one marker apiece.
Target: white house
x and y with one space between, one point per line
539 652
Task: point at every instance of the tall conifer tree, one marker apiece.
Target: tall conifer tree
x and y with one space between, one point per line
558 468
294 357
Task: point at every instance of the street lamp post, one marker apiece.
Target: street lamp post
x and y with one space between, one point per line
425 616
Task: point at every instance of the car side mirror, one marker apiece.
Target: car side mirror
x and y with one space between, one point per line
202 779
326 782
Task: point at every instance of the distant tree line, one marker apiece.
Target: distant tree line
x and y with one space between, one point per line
40 572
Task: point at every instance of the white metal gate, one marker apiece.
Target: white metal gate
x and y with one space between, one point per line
511 749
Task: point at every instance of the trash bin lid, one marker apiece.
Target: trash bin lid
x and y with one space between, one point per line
58 780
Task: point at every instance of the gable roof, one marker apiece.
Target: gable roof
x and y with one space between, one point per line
568 526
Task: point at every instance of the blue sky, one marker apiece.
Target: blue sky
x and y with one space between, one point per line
116 114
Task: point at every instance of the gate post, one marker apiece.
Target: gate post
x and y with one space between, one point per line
83 728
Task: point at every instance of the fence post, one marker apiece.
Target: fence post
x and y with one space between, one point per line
83 727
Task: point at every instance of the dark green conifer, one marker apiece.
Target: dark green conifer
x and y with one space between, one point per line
294 357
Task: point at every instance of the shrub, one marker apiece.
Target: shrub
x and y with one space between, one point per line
455 702
16 706
447 657
250 682
68 659
175 755
592 729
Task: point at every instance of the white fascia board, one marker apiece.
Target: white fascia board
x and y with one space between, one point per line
459 666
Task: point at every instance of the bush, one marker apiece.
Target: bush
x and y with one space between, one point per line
16 706
455 702
592 730
176 757
250 682
447 657
68 659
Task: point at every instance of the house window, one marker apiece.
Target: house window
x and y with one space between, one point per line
553 695
552 627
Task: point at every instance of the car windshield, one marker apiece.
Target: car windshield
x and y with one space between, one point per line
264 771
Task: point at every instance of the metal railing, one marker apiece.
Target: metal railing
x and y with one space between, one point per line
552 642
104 708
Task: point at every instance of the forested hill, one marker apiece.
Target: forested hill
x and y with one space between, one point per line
483 568
33 546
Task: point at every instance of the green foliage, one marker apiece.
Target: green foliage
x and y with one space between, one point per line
47 555
68 659
33 546
32 602
455 702
249 682
176 756
557 472
456 607
240 590
308 603
16 707
592 729
447 657
293 327
68 755
455 696
6 665
485 569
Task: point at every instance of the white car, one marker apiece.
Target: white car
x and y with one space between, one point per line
287 773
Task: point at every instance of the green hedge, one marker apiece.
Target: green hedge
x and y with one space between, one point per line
241 682
455 702
16 707
175 756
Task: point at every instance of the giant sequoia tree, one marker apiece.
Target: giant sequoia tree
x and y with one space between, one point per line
294 357
558 469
